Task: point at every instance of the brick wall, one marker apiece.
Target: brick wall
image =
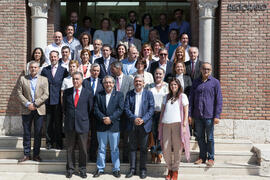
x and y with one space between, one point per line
245 62
13 50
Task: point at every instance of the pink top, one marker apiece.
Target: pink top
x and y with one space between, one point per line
185 137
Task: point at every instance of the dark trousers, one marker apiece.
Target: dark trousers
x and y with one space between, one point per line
138 136
72 139
54 125
93 141
157 147
27 124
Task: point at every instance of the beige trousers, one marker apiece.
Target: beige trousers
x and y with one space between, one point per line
172 145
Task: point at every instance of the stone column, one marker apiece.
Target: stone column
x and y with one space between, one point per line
39 10
206 29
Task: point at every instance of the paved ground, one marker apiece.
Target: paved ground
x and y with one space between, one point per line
46 176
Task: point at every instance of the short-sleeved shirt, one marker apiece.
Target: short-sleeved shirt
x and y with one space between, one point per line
172 111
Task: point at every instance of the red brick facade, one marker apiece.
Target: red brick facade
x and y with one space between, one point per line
13 51
244 62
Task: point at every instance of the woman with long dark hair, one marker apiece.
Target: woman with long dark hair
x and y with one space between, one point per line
173 128
38 56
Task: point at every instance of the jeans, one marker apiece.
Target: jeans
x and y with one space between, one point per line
103 138
27 124
206 145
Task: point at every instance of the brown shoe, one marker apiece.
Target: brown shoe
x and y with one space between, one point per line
169 176
159 157
25 158
174 175
210 163
199 161
153 158
37 158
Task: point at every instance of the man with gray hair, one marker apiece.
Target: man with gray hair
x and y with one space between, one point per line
109 105
193 66
96 53
78 102
139 109
94 84
32 92
129 63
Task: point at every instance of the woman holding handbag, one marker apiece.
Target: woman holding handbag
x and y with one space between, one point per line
173 128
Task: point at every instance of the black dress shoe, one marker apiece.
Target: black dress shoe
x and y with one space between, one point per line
130 173
143 174
25 158
69 174
116 174
83 174
97 173
37 158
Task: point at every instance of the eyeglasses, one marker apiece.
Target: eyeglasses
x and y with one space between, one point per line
206 69
163 54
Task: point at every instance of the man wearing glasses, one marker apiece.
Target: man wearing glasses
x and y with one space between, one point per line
163 63
205 106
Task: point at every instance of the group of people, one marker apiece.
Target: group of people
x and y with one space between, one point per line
136 94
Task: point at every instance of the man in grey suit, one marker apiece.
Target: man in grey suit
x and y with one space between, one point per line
193 66
129 38
124 83
32 92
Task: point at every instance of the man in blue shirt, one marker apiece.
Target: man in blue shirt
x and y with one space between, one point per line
180 24
205 107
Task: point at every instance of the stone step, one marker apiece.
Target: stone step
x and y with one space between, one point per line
241 169
61 176
220 144
53 154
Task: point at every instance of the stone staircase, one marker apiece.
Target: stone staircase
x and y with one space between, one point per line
232 157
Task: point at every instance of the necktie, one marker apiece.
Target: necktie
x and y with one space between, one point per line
93 84
193 69
76 98
117 84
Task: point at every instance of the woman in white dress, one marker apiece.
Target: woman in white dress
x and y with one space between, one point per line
140 66
86 65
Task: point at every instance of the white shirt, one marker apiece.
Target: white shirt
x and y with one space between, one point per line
159 95
54 47
65 64
107 62
172 111
79 92
138 102
96 57
120 79
108 96
163 66
67 83
181 79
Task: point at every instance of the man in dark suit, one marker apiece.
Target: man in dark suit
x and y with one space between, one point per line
87 22
162 63
105 61
32 92
78 102
132 15
124 83
193 66
109 105
74 22
55 74
139 109
95 85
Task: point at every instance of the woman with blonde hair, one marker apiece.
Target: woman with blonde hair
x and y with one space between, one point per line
146 54
180 54
173 128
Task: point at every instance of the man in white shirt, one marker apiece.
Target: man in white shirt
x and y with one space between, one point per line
97 50
56 46
64 61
